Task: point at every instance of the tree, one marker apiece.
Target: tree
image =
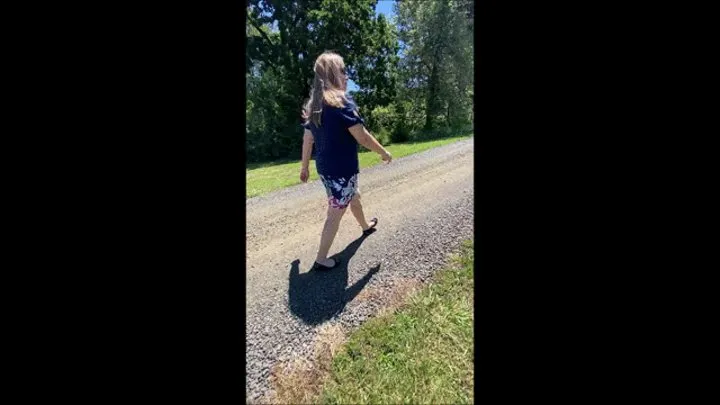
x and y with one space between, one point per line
285 37
438 57
377 69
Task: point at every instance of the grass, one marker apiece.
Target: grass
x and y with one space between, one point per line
266 177
422 353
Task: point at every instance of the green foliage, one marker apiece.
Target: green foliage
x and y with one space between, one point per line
377 72
392 123
403 124
382 118
401 133
383 136
437 68
284 37
419 88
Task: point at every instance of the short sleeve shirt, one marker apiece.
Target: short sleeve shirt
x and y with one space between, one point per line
336 150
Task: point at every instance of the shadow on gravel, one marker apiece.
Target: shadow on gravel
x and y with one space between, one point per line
318 295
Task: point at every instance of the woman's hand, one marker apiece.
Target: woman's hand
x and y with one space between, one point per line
304 174
386 157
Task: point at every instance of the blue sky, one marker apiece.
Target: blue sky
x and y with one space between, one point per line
383 7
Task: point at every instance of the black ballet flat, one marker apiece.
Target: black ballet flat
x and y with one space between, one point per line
372 228
318 266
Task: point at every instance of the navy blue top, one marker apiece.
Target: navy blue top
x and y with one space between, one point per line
336 150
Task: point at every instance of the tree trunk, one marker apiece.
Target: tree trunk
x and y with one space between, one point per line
430 103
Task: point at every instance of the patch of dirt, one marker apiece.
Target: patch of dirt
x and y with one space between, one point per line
393 297
300 380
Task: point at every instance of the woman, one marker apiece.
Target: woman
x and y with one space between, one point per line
334 127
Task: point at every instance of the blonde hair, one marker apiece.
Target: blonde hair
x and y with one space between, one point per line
328 87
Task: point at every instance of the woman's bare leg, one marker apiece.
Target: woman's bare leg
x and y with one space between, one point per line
334 215
357 210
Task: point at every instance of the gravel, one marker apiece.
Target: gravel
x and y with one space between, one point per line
425 206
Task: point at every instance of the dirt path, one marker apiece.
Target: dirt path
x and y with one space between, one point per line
425 206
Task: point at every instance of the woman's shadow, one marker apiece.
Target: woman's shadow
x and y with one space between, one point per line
318 295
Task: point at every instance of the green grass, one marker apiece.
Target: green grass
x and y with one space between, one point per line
266 177
423 353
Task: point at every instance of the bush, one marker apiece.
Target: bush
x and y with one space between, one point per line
423 134
383 118
390 123
383 136
401 133
435 133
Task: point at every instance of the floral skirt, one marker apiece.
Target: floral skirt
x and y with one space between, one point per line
340 190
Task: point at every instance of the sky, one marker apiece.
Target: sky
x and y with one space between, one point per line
383 7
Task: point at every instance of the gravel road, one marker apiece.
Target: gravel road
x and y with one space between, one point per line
424 203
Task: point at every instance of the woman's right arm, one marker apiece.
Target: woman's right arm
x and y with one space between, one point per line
308 141
365 138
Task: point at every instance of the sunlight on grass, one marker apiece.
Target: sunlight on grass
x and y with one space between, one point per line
266 177
423 353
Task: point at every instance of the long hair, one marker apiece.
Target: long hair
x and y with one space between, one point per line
328 87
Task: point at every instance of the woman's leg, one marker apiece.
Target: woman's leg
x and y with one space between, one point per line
357 210
334 215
